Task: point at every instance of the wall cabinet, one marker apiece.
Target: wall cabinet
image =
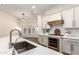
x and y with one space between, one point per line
43 40
66 46
76 16
71 17
42 23
68 18
45 20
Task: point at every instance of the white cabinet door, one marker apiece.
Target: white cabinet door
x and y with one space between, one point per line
68 18
75 48
66 46
40 18
45 19
76 17
40 39
45 41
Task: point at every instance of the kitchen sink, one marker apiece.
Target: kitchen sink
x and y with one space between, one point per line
23 46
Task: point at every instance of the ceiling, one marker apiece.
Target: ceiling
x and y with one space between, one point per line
18 9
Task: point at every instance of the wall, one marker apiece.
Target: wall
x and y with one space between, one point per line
7 23
74 32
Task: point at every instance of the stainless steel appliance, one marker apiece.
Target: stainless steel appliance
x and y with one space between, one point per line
54 42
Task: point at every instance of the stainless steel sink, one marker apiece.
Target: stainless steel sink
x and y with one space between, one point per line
23 46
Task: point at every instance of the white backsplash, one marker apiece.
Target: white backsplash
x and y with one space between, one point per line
59 27
74 32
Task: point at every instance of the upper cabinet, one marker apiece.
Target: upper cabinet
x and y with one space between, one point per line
42 23
45 19
71 18
76 16
68 18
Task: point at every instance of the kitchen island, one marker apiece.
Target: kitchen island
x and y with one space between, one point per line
39 50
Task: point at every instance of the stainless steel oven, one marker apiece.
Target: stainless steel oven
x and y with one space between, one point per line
54 43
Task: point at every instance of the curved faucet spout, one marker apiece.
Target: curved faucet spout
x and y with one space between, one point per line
10 43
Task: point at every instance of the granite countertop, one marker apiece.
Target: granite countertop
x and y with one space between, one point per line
39 50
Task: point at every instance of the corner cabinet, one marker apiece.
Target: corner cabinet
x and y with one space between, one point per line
68 18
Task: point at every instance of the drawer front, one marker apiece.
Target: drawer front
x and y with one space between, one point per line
75 48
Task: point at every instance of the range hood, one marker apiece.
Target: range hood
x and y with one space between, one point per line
56 22
56 19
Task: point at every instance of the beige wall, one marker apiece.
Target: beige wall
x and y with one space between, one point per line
7 23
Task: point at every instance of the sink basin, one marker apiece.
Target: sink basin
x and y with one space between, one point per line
23 46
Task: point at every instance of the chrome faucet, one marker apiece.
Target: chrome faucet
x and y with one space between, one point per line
10 43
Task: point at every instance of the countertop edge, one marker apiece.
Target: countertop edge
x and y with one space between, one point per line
61 37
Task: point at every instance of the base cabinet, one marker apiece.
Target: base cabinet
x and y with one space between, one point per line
66 46
40 39
75 48
43 40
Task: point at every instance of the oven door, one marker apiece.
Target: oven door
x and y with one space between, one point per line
54 43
